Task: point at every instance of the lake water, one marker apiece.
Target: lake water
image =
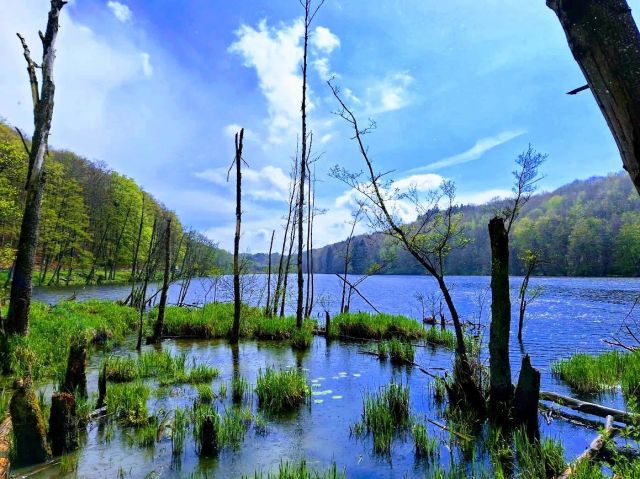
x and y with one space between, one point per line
571 315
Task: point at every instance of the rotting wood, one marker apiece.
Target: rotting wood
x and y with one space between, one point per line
549 413
6 430
588 407
592 451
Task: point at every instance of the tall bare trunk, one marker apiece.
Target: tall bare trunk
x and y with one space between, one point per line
605 42
20 296
501 388
268 308
235 330
159 326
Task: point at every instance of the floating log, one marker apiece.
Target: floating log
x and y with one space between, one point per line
592 451
6 430
551 412
588 407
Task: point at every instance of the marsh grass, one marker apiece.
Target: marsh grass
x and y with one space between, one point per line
202 413
302 338
201 374
401 352
383 350
147 434
440 337
128 402
69 463
591 374
206 395
424 446
45 349
179 431
234 426
289 470
538 458
239 388
438 387
281 390
376 326
384 414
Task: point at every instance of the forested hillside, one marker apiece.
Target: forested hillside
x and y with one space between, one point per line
586 228
93 220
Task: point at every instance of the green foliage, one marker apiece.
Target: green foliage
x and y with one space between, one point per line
128 402
424 446
537 458
283 390
440 337
376 326
288 470
401 352
589 374
239 388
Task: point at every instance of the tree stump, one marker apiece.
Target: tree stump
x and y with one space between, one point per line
29 431
525 403
327 324
209 437
63 423
75 380
102 387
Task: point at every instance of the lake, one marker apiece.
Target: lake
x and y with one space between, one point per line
572 314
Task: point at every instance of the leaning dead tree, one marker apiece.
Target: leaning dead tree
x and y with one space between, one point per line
348 254
531 260
501 388
237 300
605 42
20 297
435 233
159 326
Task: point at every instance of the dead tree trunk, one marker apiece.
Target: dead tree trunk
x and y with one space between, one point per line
63 424
29 431
525 402
235 330
20 297
501 389
592 451
268 308
605 42
159 326
75 379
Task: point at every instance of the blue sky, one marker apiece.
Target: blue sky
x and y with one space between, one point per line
458 89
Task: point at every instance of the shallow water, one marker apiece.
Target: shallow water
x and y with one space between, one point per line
571 315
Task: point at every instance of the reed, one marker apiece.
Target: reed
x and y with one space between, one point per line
128 402
440 337
300 470
424 446
590 374
206 395
179 431
239 388
201 374
376 326
401 352
281 390
538 458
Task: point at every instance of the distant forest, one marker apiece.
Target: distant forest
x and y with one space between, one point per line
586 228
91 220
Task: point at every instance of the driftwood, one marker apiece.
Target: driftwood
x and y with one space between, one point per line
592 451
588 407
445 428
549 413
6 429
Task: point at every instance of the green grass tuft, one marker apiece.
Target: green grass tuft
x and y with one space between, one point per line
282 390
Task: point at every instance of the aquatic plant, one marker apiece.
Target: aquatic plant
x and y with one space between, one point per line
69 463
440 337
589 374
200 374
376 326
205 393
147 434
301 338
121 369
128 402
538 458
300 470
179 431
383 350
401 352
239 388
383 414
424 446
281 390
438 387
234 426
207 429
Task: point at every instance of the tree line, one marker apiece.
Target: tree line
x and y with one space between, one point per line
585 228
95 225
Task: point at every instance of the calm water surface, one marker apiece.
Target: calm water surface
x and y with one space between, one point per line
571 315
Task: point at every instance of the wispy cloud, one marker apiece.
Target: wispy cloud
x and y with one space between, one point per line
120 11
268 184
389 94
482 146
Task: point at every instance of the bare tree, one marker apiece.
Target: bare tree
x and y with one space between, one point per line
347 252
310 12
268 306
237 300
605 42
526 178
435 233
159 326
531 260
21 288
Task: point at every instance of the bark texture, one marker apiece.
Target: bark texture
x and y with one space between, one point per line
159 326
237 300
75 379
63 424
29 431
20 296
525 403
501 389
605 42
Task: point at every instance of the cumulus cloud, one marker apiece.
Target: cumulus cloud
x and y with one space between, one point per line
269 183
120 11
275 54
389 94
324 40
425 182
481 146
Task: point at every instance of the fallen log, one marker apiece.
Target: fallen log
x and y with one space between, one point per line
588 407
549 413
6 429
592 451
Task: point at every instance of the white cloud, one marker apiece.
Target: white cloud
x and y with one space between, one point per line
120 11
275 53
324 40
389 94
269 183
425 182
147 68
481 146
322 67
